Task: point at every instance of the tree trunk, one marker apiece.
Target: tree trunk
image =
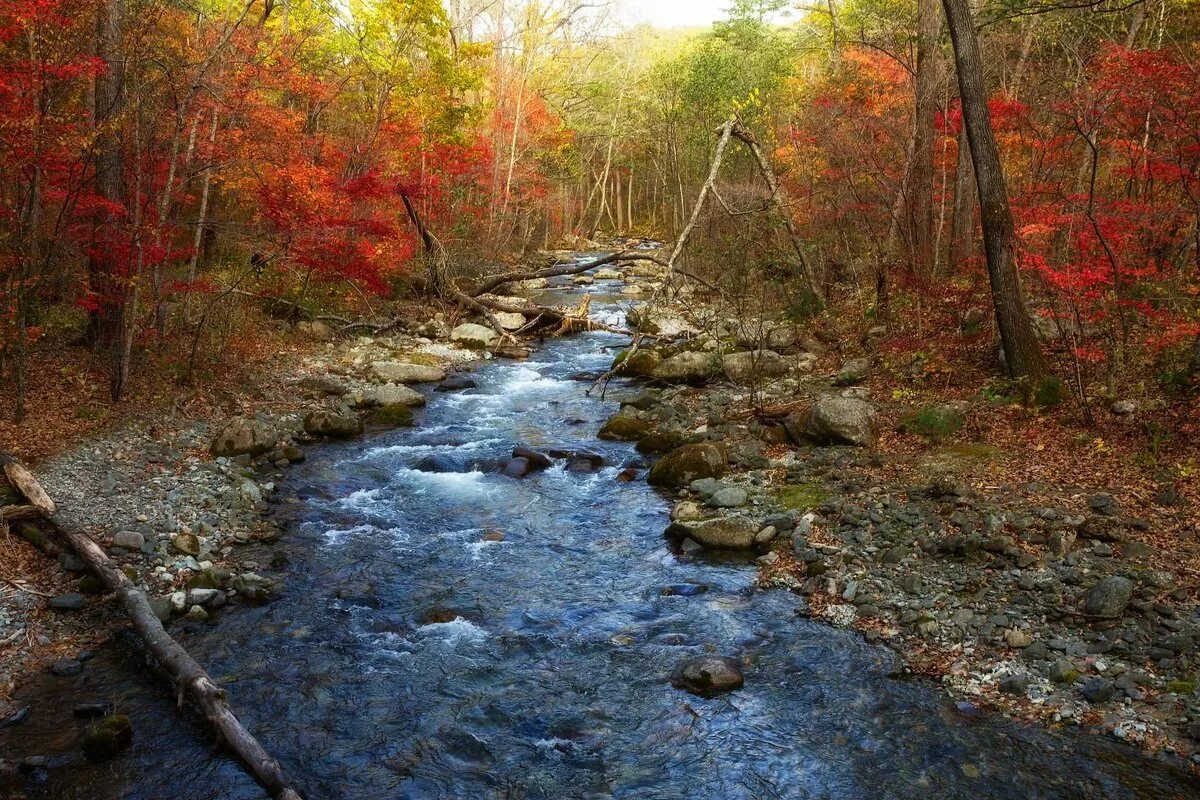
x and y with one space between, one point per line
919 191
108 321
962 227
1022 355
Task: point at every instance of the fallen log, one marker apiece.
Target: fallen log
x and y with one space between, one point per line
556 270
189 677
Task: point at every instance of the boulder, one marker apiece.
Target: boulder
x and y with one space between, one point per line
854 371
317 331
640 365
835 420
517 467
406 372
626 426
186 543
455 383
660 323
734 532
708 676
606 274
748 366
687 463
395 414
244 436
391 394
332 425
1108 597
322 386
476 337
509 320
130 540
689 366
537 460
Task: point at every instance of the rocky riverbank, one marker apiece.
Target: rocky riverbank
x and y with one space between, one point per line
1022 589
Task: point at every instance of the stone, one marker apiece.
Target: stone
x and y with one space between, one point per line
322 386
516 468
722 533
315 330
537 460
1104 503
626 426
1017 638
708 676
197 614
748 366
393 394
687 511
1063 671
690 366
1060 542
66 667
455 383
130 540
1097 690
398 415
854 371
1017 684
728 497
201 597
332 425
640 364
510 320
406 372
1124 407
161 607
1109 597
72 601
835 420
186 543
475 337
685 464
244 436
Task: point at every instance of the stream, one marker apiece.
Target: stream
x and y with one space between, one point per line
448 632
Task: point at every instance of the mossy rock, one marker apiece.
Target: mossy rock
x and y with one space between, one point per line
396 414
934 422
424 359
640 365
108 737
685 464
1182 687
625 427
801 496
660 442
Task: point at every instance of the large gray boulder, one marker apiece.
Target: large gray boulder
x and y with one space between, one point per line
745 367
476 337
391 394
685 464
835 420
332 425
688 367
244 436
734 532
1109 597
406 372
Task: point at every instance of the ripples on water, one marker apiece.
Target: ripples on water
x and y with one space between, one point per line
417 654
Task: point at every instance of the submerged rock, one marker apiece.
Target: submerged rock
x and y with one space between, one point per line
708 676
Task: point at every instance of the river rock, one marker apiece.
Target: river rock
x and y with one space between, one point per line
455 383
835 420
516 468
406 372
334 426
626 426
1109 597
509 320
391 394
685 464
537 460
658 322
244 436
186 543
728 497
723 533
708 676
748 366
476 337
639 365
130 540
690 366
854 371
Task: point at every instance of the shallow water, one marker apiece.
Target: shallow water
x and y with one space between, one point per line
412 658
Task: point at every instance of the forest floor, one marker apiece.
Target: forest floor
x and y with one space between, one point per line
1031 565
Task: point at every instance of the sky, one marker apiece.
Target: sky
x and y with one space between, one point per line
675 13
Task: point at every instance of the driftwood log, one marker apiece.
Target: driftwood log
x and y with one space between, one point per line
190 678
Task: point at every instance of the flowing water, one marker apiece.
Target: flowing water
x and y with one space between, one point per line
417 655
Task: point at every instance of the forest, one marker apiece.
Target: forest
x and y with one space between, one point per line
899 297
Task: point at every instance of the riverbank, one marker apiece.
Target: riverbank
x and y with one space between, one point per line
947 537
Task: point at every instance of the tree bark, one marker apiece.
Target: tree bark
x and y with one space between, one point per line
962 226
919 191
1023 356
188 675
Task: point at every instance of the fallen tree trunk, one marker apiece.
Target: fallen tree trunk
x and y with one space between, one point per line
189 677
555 270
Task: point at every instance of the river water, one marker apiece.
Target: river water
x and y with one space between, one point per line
415 654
